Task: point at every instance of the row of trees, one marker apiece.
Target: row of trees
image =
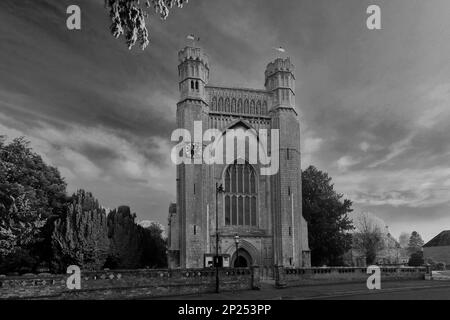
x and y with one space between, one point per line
41 227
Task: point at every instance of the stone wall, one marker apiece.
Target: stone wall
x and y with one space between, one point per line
128 284
311 276
135 284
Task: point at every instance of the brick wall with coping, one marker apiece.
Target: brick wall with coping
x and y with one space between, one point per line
135 284
128 284
311 276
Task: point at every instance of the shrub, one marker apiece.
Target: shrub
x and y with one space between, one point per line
440 266
416 259
21 261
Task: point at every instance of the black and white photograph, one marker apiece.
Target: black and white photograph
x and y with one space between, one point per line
228 156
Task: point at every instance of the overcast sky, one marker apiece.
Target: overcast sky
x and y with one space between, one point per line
374 105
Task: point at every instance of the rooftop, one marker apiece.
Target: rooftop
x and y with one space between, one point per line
441 240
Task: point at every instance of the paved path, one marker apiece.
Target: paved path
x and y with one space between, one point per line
411 290
430 293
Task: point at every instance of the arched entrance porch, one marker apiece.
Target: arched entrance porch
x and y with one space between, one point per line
241 259
248 254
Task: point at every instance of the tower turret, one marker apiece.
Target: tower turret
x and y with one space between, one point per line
193 72
192 108
289 226
280 81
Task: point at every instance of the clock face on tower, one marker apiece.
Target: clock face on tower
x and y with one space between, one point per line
193 150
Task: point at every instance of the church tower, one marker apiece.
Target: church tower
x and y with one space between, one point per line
193 74
288 223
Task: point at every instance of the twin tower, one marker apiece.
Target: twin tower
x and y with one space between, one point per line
263 211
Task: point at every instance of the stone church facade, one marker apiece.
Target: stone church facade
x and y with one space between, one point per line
265 211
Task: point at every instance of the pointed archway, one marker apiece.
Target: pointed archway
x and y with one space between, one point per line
241 259
246 250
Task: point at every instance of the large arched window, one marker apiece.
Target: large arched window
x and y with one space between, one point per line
240 195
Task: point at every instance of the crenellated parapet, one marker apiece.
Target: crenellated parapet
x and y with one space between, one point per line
280 80
278 65
193 74
191 53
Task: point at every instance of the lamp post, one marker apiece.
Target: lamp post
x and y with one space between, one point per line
219 189
236 241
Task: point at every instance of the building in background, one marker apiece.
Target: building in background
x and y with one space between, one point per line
438 248
390 253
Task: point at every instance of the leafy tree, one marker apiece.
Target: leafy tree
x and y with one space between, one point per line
368 237
129 18
126 239
131 245
327 216
31 192
416 259
155 246
440 266
415 243
80 235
